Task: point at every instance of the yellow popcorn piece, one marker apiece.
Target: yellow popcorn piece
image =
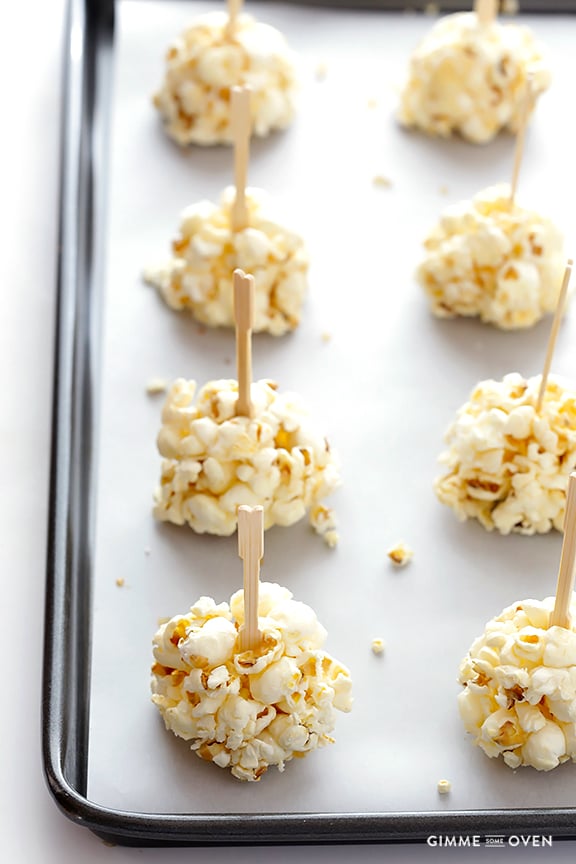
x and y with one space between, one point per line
400 554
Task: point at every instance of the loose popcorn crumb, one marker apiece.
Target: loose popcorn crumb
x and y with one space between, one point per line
444 190
326 337
214 460
400 554
257 709
494 260
470 79
372 103
321 71
207 251
380 180
204 63
378 646
323 520
156 385
519 696
444 787
508 466
120 582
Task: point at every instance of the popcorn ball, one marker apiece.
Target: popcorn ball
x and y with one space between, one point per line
206 61
519 697
471 79
508 465
215 461
208 250
491 259
250 710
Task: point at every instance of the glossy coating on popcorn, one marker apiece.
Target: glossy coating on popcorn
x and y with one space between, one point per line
519 697
205 62
489 259
250 710
208 250
214 461
508 466
470 79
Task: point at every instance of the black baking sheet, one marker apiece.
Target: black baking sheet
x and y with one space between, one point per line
68 619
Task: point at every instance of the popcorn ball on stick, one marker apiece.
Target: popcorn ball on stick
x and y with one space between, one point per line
216 53
248 684
490 258
468 76
519 677
242 443
512 448
239 233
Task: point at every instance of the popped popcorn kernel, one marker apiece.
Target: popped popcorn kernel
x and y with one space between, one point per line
469 79
249 711
400 554
204 63
378 645
444 787
199 277
155 386
508 466
323 520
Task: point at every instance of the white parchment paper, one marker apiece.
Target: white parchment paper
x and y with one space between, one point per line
384 388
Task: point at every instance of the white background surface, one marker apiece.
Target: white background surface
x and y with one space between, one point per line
31 830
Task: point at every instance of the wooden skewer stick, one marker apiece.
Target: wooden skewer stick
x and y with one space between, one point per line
234 10
561 613
486 11
554 334
521 134
241 128
244 316
251 550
